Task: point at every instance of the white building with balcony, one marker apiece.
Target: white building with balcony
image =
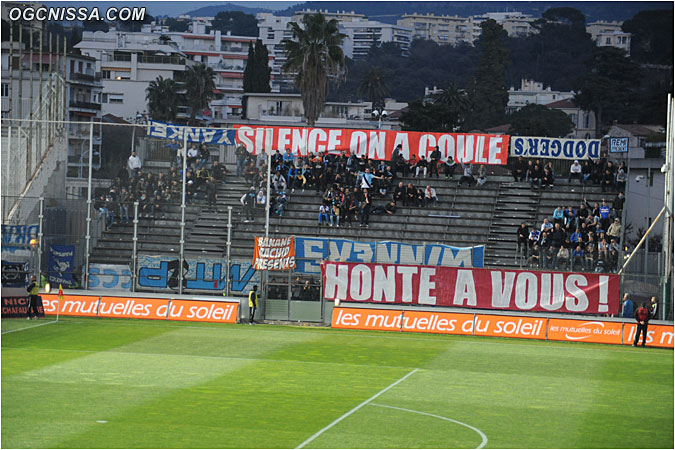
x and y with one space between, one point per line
533 92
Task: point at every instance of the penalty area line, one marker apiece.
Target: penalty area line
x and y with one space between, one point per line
353 410
27 328
480 433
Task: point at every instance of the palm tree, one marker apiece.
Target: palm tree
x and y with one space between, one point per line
374 87
162 97
199 88
454 102
314 54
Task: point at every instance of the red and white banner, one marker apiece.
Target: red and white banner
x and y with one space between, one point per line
516 290
376 144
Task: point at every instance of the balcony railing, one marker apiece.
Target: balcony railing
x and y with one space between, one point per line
85 105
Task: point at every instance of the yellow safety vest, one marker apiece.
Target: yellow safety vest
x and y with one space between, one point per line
252 299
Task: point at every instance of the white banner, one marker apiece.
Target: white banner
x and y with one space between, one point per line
554 148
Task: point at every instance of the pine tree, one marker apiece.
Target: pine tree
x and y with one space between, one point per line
489 94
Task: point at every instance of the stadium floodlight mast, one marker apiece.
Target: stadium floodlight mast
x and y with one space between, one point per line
88 236
379 115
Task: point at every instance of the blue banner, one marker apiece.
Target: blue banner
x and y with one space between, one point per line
554 148
18 237
309 252
115 277
194 134
15 274
61 265
199 274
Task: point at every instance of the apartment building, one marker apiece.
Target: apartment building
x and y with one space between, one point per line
83 98
128 62
533 92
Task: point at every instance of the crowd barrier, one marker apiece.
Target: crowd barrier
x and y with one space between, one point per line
133 307
543 328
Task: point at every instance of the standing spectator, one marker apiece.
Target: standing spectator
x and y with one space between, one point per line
518 169
614 230
241 154
365 208
523 232
281 204
134 165
124 201
617 204
575 171
604 212
653 308
434 160
642 317
32 289
627 307
558 215
212 192
248 201
607 181
621 177
252 304
204 156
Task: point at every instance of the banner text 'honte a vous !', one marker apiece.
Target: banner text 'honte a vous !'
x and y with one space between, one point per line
376 144
516 290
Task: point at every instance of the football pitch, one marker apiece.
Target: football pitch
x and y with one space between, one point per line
107 383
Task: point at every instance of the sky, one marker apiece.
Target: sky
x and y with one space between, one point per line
174 8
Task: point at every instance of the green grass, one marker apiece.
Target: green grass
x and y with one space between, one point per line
179 385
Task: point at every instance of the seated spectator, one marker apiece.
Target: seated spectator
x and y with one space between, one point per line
467 174
430 197
535 177
279 182
529 170
482 175
421 166
389 209
546 225
251 174
575 172
533 238
324 211
218 172
288 158
156 208
410 195
578 258
533 260
203 157
419 197
518 169
548 254
548 178
261 198
523 232
558 215
586 172
561 260
192 155
607 181
335 212
400 193
449 168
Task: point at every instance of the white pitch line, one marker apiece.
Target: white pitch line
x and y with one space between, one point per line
26 328
352 411
482 435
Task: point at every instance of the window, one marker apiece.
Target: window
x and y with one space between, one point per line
5 89
105 74
72 66
608 41
116 98
80 66
104 97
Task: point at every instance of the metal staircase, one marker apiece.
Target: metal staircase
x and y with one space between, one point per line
516 203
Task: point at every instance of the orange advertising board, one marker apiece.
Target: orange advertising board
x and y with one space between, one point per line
585 331
142 308
433 322
657 335
71 305
511 326
367 319
133 308
203 311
